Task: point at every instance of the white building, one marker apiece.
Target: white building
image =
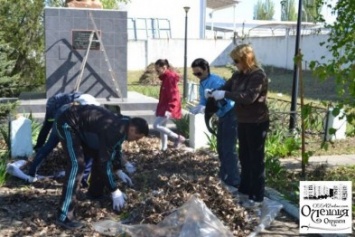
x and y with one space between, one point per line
205 19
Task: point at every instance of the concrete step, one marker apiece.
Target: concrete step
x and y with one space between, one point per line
149 115
135 105
134 101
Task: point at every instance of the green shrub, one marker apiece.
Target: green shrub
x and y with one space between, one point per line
4 157
212 142
182 125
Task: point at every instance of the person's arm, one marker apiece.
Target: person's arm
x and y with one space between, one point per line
172 91
106 158
251 92
118 197
227 85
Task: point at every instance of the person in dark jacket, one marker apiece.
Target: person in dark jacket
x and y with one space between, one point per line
227 122
169 105
53 109
248 87
93 131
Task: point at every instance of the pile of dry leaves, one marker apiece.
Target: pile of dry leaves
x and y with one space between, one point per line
163 182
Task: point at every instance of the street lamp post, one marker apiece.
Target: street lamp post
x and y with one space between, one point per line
185 54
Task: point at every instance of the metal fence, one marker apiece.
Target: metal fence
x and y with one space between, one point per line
315 118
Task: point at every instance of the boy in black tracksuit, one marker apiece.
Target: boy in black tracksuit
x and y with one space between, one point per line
96 132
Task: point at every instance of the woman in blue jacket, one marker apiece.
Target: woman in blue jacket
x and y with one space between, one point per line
227 122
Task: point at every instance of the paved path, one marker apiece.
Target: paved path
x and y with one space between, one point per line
335 160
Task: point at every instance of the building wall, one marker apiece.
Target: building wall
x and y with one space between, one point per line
169 9
275 51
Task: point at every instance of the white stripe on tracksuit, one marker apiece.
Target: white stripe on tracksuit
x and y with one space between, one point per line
72 175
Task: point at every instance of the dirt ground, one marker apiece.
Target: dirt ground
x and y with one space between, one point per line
163 182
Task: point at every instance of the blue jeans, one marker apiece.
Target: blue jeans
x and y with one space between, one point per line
43 152
226 147
47 124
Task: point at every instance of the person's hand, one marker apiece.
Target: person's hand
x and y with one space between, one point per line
118 200
218 95
124 177
167 114
208 93
130 168
197 109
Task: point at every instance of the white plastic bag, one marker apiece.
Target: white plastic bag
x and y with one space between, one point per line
21 137
191 219
14 169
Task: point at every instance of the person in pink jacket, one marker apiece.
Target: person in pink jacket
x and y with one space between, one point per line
169 105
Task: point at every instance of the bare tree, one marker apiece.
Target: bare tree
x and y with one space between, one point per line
264 10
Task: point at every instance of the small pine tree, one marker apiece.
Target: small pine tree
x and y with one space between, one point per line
21 44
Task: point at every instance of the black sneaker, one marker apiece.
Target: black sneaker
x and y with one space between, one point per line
70 225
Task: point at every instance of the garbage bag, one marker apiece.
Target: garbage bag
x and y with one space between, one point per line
193 218
268 213
15 169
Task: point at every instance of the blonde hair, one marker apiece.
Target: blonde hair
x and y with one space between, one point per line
245 54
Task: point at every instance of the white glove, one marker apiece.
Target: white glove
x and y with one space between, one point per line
208 93
218 95
198 109
31 179
167 114
118 199
124 177
130 167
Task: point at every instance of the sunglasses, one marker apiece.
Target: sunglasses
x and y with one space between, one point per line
236 61
198 74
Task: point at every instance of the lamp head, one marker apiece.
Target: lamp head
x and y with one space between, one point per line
186 8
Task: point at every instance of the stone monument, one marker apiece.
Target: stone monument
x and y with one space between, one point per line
67 32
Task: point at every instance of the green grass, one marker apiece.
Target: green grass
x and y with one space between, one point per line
280 83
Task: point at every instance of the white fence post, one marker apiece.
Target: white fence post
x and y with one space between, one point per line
198 131
192 91
336 122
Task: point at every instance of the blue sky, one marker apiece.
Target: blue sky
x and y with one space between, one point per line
245 12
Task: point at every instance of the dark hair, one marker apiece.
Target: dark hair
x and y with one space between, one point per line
162 63
201 63
141 125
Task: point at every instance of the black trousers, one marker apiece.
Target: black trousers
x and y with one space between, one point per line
76 151
73 148
252 138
